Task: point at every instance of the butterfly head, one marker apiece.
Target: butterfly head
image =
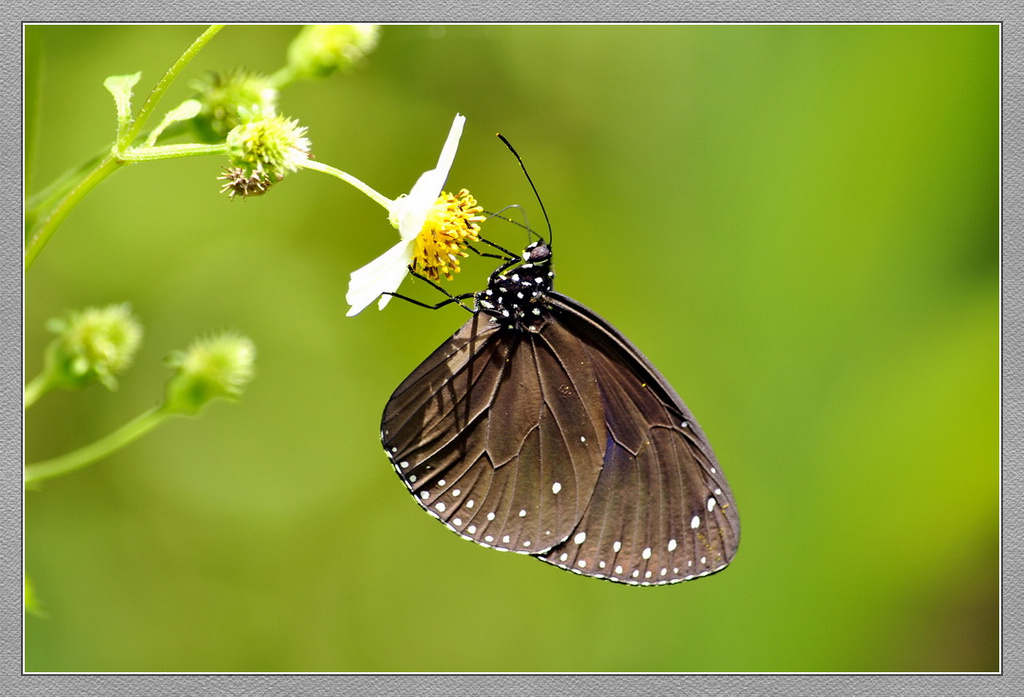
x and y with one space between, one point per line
537 253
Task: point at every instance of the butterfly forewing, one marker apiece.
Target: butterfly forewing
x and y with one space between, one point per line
482 447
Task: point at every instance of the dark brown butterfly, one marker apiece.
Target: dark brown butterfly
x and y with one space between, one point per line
538 428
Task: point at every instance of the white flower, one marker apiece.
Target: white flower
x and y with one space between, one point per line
422 210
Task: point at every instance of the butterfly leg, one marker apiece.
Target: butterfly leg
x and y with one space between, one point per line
436 306
486 254
505 254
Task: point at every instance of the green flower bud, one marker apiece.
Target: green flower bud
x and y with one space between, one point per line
92 344
229 99
320 49
215 367
271 146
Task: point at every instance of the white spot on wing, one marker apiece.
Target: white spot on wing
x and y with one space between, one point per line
580 537
556 487
695 523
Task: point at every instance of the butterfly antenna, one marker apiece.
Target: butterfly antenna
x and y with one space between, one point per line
535 192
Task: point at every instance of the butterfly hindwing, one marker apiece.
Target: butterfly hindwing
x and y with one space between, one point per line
661 511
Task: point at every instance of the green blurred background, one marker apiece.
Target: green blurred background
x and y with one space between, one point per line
797 224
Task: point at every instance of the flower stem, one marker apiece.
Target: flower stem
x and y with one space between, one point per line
77 459
167 152
150 104
36 388
349 179
282 77
45 228
44 200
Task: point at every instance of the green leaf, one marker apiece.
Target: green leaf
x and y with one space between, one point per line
188 109
120 86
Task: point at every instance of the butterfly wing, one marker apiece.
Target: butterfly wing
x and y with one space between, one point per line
495 437
661 511
566 443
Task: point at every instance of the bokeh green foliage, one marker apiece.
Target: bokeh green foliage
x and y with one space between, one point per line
797 224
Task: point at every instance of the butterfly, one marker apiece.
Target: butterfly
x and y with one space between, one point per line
539 428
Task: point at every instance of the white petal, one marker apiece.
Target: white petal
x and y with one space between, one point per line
411 211
382 275
451 145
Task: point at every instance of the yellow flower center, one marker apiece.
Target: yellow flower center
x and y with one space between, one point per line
453 222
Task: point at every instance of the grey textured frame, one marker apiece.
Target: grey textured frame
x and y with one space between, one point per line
17 12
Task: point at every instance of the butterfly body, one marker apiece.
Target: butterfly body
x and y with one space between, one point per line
538 428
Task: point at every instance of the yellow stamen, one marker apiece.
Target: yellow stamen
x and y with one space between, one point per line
451 224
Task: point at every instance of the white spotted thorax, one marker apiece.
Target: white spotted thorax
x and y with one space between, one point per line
516 296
